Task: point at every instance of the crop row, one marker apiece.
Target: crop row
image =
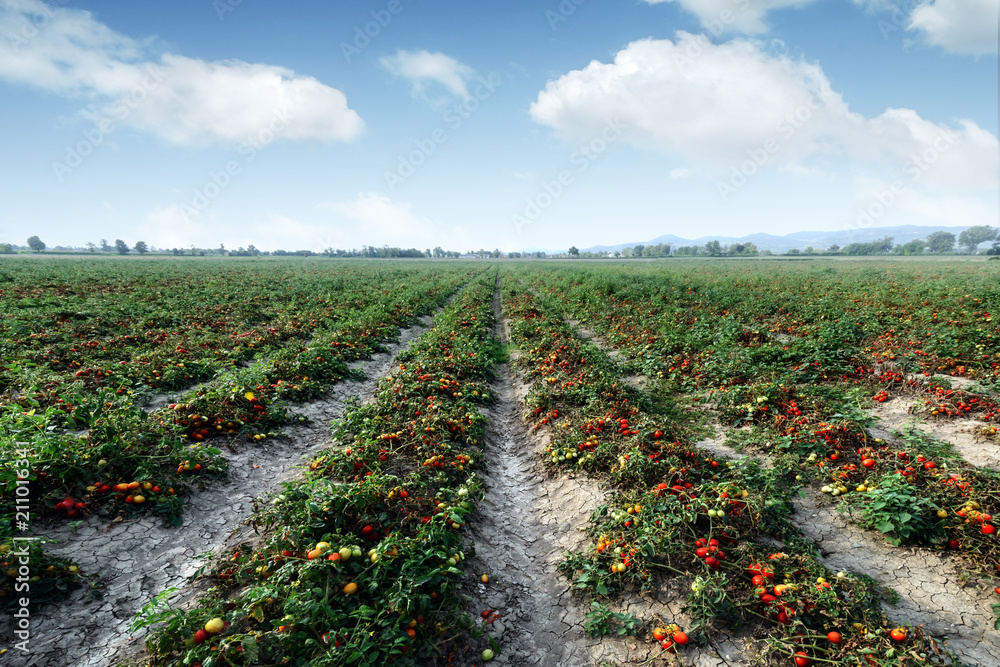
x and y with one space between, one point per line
677 513
108 455
915 492
361 559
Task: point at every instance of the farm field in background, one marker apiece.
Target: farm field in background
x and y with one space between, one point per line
693 462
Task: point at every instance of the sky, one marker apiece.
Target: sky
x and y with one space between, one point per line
513 125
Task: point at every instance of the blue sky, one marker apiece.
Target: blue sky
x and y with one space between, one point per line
475 124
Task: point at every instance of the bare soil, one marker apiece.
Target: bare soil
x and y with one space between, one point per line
930 585
139 558
895 415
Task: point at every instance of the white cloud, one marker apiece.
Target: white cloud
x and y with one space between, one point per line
181 99
372 218
717 106
282 232
170 228
960 26
723 16
967 27
422 67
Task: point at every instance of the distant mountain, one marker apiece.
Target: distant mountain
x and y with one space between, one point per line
801 240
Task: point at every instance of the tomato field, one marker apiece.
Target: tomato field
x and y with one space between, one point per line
335 462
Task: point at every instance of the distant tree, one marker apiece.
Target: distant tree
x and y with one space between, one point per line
809 250
915 247
941 242
91 247
36 244
104 246
618 253
222 249
973 236
176 251
252 249
496 254
833 248
141 247
794 251
713 249
995 250
121 247
638 250
6 249
574 251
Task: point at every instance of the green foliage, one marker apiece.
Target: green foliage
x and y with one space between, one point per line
602 621
896 509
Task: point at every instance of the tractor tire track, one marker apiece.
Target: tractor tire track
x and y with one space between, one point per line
522 528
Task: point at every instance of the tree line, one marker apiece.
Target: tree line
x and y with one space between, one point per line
936 243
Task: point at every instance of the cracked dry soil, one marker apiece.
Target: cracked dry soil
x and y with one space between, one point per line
929 585
895 415
139 558
521 532
522 529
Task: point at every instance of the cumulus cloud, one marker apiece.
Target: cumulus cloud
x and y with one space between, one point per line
423 67
961 26
723 16
183 100
716 105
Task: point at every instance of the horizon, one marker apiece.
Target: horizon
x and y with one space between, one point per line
387 123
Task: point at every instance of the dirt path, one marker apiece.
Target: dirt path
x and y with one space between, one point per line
140 558
522 528
929 585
